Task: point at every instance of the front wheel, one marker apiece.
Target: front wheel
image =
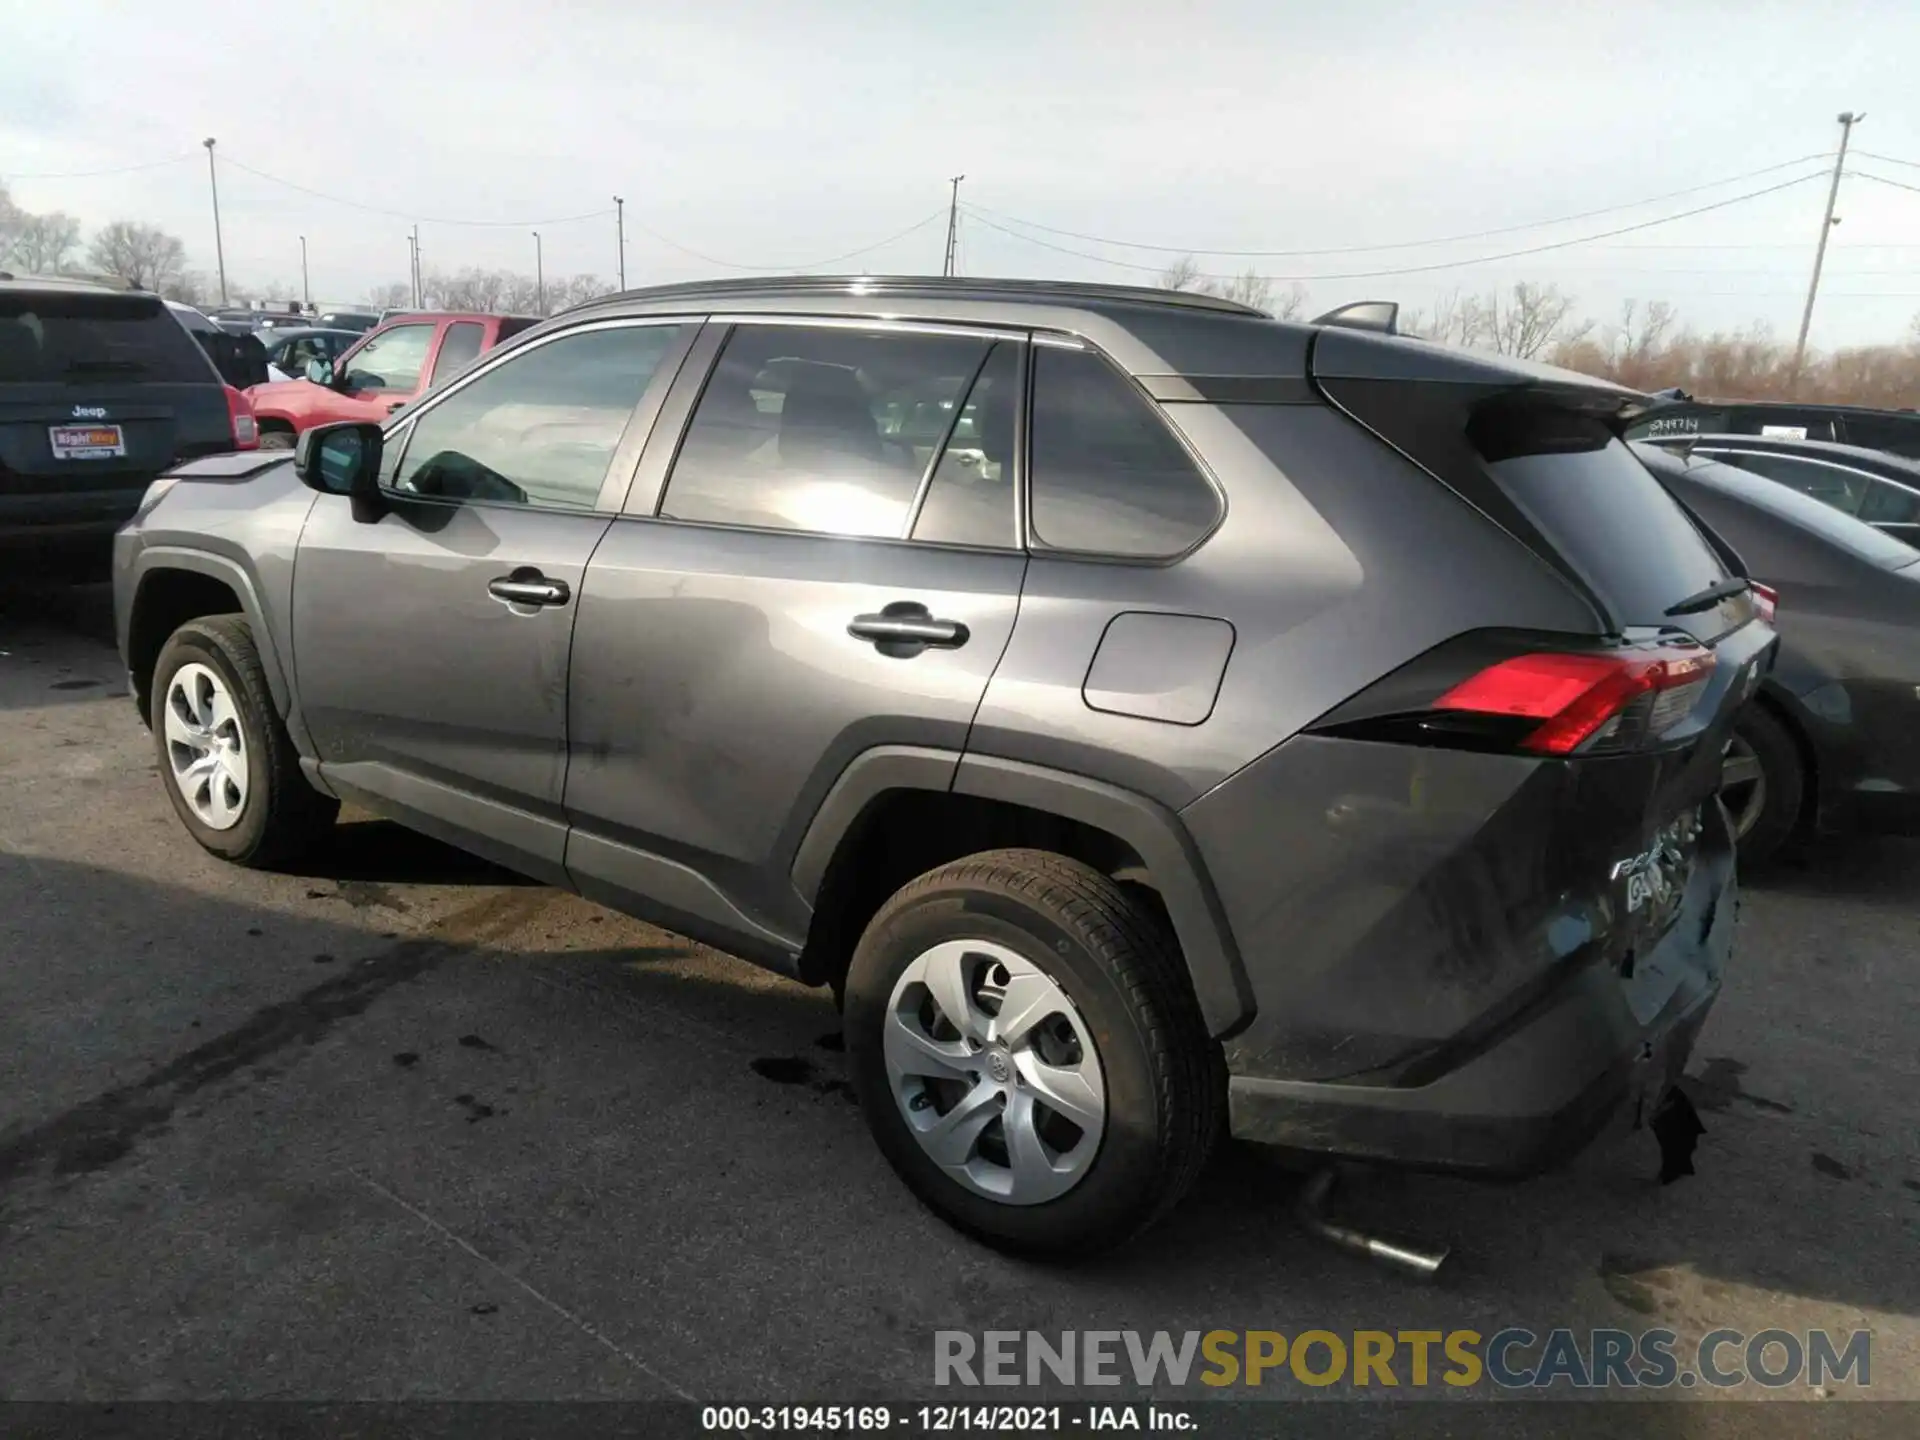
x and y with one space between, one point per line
225 757
1029 1055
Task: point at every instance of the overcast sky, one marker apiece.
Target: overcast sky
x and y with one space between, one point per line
770 134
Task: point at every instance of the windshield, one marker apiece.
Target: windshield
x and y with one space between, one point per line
61 338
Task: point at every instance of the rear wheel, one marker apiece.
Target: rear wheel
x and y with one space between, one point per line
1028 1053
225 757
1762 784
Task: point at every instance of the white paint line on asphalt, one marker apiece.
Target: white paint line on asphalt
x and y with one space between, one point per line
583 1326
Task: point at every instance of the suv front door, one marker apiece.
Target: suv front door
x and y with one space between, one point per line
804 577
431 644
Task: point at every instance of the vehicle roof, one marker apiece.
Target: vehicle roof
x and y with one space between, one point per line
447 315
1879 462
297 332
14 284
1149 332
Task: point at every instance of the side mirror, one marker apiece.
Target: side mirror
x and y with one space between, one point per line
320 371
343 459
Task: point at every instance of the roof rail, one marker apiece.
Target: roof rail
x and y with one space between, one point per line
1382 317
958 286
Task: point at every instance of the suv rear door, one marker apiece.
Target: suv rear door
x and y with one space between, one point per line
99 392
805 576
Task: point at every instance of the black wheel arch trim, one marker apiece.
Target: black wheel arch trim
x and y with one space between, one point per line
1153 831
235 577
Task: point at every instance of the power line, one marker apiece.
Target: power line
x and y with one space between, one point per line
93 174
1409 244
1436 265
1889 159
1883 180
410 215
920 224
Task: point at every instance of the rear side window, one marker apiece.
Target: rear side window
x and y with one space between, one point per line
970 498
1108 476
1783 424
1610 519
1890 505
828 430
1884 432
64 338
1833 485
459 348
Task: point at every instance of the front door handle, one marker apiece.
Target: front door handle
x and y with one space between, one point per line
395 406
905 628
527 586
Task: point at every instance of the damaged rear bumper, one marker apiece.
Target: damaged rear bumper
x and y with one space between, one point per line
1598 1052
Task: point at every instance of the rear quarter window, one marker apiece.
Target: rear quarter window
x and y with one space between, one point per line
64 338
1609 518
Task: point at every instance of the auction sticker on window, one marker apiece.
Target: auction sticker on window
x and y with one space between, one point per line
87 442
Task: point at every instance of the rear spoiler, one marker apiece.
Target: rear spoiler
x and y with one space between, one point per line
1380 316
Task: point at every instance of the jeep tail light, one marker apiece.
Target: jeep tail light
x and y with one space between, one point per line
246 430
1766 600
1613 699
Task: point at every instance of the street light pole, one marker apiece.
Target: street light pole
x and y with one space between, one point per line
1847 121
620 230
953 224
219 247
539 277
306 290
413 263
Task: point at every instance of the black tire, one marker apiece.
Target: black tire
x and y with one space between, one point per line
1121 968
276 439
282 815
1783 774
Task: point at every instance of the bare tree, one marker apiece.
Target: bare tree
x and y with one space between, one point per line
1529 321
1291 302
1455 320
144 256
12 217
576 290
391 296
44 244
1182 274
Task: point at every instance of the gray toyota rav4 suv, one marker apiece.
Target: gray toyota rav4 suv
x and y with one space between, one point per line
1152 720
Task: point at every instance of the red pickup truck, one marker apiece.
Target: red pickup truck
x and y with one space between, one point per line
393 364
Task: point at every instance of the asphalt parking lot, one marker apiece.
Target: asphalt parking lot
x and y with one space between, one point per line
403 1127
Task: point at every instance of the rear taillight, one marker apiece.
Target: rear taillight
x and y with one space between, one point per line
1604 700
1766 600
246 430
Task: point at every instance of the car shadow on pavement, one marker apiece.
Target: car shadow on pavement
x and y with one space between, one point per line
109 1072
1859 867
365 850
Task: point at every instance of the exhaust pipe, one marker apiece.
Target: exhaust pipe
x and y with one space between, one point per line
1418 1261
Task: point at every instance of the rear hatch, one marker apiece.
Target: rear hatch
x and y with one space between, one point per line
99 393
1636 709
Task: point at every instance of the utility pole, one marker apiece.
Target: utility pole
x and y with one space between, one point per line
620 230
413 263
539 277
953 224
306 290
219 248
1847 121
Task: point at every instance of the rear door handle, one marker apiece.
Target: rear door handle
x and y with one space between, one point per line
905 628
527 586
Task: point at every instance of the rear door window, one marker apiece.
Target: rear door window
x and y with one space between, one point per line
1833 485
1109 478
1893 434
62 338
1887 504
970 499
459 348
1783 424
